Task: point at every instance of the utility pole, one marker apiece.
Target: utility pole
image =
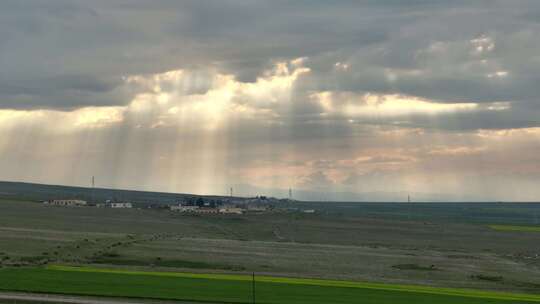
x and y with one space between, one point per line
93 186
290 193
231 192
253 287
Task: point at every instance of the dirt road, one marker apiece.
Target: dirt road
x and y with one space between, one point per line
12 297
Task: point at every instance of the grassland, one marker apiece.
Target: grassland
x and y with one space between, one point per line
223 288
368 248
514 228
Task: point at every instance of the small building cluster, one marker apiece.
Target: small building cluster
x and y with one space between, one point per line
79 203
66 202
121 205
188 205
206 209
223 206
115 205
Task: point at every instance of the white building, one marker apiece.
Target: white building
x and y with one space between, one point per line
66 202
207 210
180 208
230 210
121 205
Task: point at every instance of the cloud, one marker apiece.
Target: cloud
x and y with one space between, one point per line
317 180
342 95
58 121
385 105
439 52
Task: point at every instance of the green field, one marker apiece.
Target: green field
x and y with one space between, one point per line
515 228
223 288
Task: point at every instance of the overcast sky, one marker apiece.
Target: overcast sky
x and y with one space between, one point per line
195 96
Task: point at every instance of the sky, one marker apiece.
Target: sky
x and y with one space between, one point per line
435 97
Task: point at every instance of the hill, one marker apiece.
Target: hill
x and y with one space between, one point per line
41 192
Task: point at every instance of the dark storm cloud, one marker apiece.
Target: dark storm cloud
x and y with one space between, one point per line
89 83
69 54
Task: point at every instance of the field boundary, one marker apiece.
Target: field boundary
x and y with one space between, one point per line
515 228
459 292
